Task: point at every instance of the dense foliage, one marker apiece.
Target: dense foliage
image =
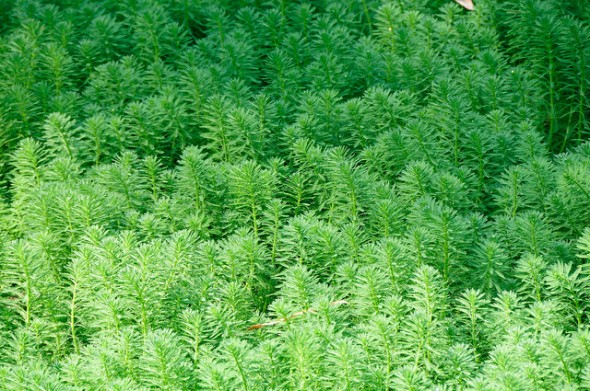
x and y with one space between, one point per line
291 195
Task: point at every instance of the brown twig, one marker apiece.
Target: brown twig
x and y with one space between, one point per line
295 315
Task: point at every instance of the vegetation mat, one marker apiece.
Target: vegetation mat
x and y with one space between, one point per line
294 195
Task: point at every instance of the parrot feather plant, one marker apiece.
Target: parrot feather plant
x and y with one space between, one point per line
294 195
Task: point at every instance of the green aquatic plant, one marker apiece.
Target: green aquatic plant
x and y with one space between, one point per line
280 195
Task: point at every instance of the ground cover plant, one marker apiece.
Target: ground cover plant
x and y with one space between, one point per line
294 195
